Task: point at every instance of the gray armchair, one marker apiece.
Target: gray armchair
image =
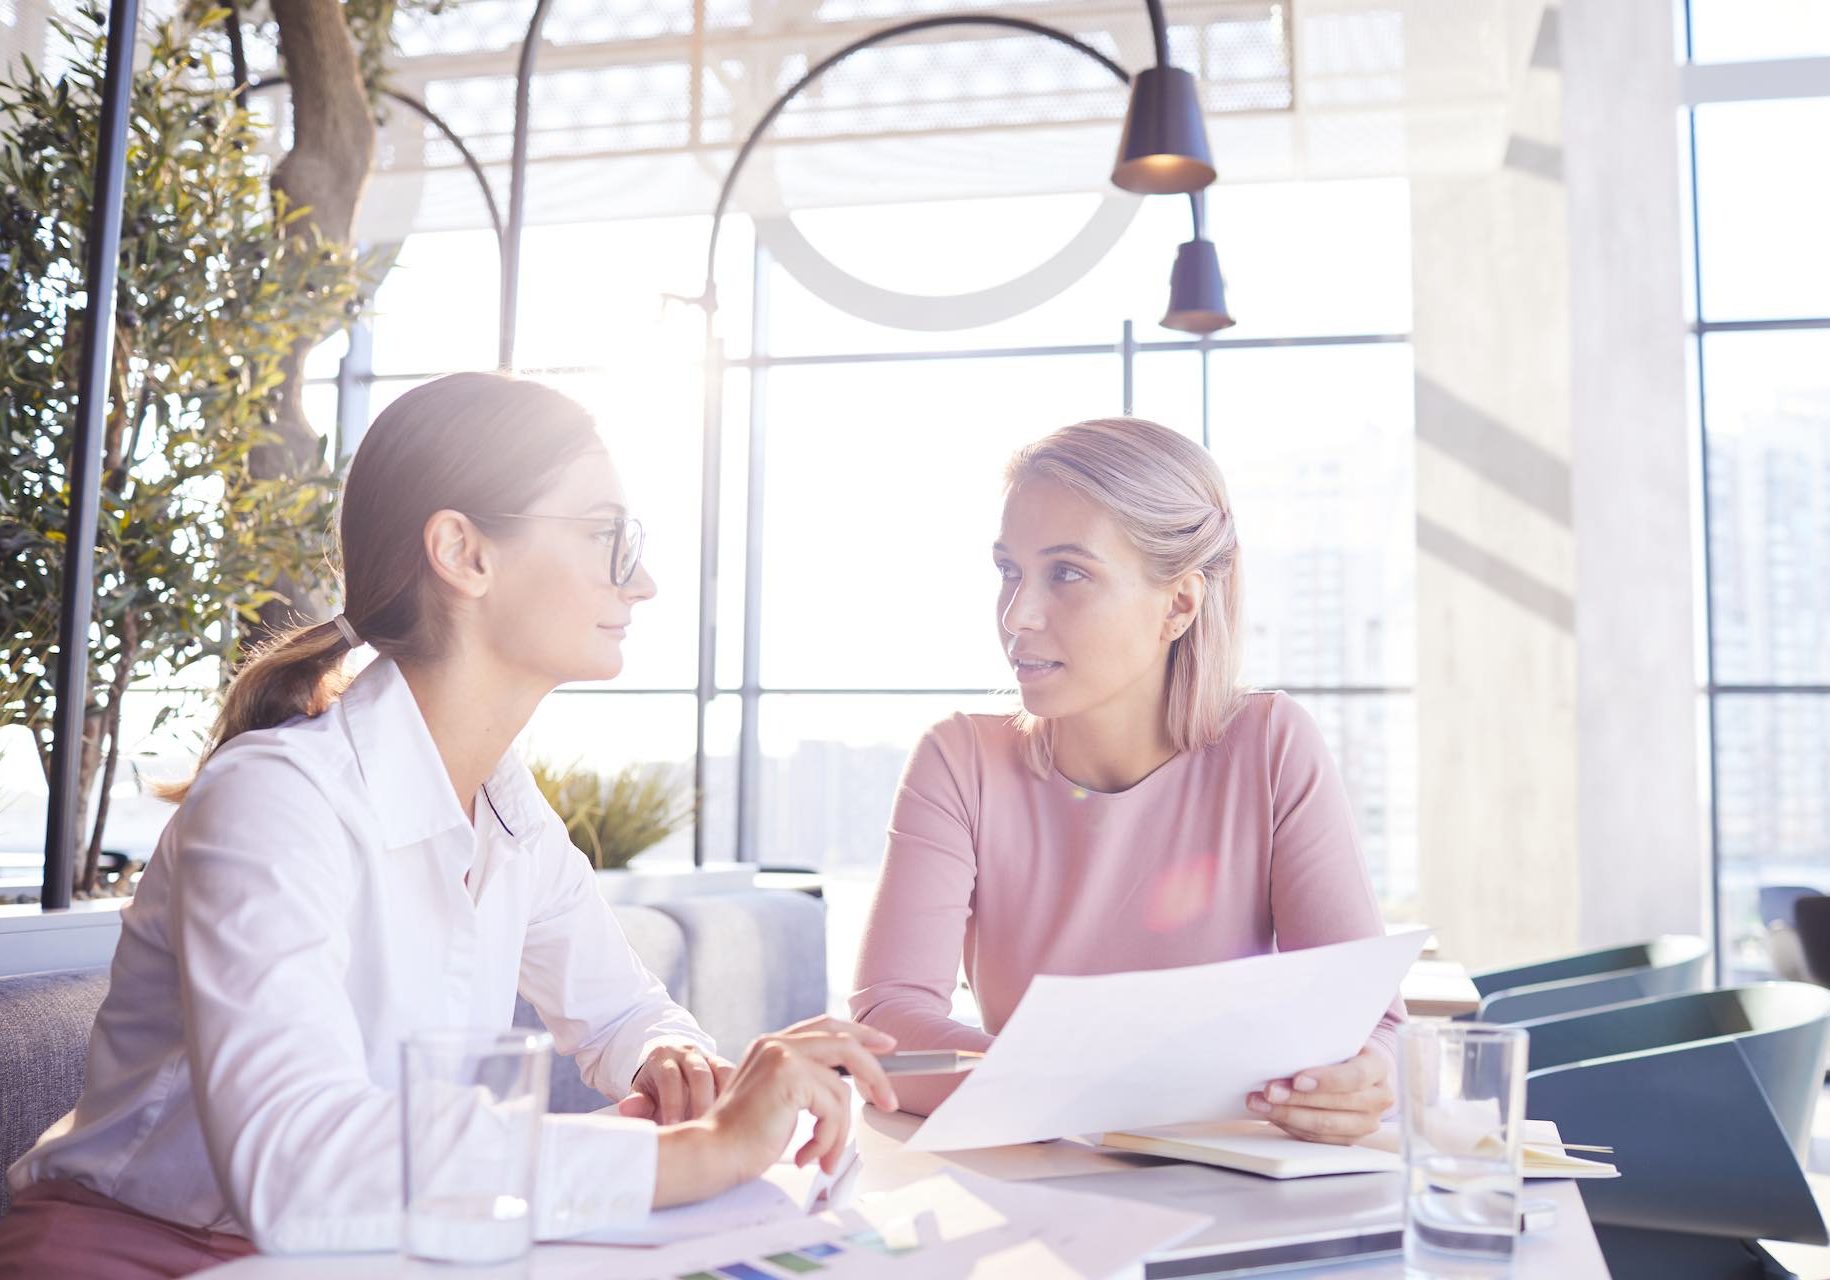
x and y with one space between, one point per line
44 1047
1707 1100
742 963
1666 965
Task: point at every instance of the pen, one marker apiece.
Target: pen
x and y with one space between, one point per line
926 1062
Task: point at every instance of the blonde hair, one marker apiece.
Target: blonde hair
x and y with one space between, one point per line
1168 495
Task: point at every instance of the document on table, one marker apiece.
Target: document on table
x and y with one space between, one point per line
949 1224
1106 1052
1540 1144
784 1192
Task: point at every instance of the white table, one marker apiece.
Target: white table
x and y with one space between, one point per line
1439 989
1244 1208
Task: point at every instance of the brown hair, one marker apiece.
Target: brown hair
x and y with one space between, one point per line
1167 494
470 442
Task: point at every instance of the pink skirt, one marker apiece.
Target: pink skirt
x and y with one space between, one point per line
61 1228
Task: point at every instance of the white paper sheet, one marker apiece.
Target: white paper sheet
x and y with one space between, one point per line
1091 1054
950 1224
784 1193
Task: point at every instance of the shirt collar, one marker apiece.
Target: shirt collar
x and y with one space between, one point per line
402 770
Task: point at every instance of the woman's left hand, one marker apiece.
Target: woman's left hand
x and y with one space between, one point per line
677 1082
1339 1104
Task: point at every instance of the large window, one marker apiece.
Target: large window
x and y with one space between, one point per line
1761 363
882 450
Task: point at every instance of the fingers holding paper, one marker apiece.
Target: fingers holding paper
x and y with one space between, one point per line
1337 1104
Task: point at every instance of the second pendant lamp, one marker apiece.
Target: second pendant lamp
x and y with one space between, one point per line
1197 293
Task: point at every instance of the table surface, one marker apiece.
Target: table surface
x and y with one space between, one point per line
1244 1207
1439 989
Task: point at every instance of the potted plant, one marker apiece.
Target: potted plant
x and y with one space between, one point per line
614 817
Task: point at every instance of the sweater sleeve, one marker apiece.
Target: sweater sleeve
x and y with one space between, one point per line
1320 889
908 966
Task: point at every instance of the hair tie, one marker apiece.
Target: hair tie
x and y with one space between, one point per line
349 633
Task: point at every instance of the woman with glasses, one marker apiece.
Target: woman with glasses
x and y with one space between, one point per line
1143 810
357 860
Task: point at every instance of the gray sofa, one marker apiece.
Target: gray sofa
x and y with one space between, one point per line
744 963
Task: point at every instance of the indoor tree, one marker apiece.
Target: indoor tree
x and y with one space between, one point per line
224 279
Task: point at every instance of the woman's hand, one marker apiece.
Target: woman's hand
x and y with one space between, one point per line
676 1082
749 1125
1339 1104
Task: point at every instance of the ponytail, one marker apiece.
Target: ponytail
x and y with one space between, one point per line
297 673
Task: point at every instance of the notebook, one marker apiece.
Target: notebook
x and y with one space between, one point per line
1257 1146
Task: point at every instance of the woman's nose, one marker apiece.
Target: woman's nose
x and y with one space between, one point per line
641 585
1022 613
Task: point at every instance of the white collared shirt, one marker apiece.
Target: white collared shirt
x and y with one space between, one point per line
305 910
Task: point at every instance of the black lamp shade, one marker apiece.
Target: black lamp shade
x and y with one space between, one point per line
1197 294
1164 147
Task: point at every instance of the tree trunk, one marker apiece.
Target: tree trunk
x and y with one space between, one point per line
111 724
333 148
94 727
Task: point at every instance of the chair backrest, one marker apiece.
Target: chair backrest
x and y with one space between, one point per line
1707 1098
45 1019
1666 965
1811 926
1782 1028
1778 900
758 960
657 940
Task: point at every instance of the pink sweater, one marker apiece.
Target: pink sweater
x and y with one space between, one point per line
1235 850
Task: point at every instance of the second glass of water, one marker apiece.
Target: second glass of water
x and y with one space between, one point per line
1462 1105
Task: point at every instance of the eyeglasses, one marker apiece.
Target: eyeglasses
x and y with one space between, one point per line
620 537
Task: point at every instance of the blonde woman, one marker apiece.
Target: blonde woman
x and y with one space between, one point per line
1142 811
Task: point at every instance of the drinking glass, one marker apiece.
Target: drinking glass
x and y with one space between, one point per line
1462 1105
473 1103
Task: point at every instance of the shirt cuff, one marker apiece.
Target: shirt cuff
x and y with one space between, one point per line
595 1171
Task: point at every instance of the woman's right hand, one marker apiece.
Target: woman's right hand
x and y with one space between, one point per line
780 1076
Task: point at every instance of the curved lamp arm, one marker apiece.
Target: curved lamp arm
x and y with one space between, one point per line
1159 31
709 298
524 73
445 130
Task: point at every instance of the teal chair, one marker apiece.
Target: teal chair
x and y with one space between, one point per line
1664 966
1707 1099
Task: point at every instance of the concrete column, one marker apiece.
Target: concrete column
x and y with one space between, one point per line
1643 824
1555 689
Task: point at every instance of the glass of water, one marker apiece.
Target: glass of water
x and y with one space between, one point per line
1461 1098
471 1114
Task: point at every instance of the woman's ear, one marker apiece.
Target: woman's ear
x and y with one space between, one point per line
454 548
1189 591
